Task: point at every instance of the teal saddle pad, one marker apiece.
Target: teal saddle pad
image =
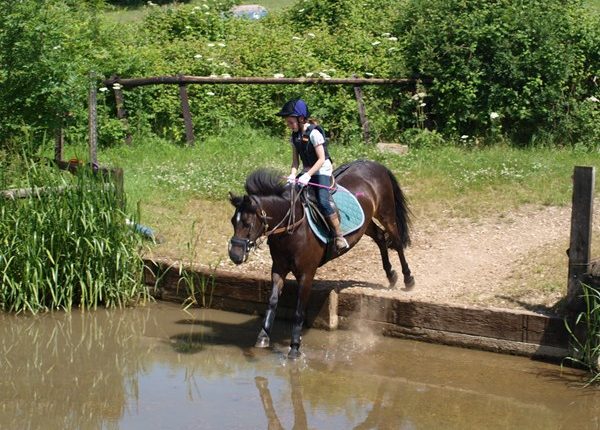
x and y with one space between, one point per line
351 214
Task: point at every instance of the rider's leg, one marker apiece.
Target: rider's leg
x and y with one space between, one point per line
327 208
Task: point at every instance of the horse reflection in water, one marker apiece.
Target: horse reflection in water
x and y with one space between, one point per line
300 422
270 208
384 412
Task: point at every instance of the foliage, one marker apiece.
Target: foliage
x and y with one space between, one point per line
45 57
65 248
204 41
530 62
206 21
132 3
585 343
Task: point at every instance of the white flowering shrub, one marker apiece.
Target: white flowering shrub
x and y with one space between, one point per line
500 69
199 40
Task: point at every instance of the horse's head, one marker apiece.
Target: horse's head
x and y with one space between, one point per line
249 223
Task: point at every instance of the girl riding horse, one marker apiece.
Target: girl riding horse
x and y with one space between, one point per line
268 209
309 144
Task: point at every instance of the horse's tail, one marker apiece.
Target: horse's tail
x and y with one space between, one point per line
403 213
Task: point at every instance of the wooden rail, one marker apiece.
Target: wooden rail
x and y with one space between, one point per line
185 79
113 176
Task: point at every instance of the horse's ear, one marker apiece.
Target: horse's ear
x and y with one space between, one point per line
248 203
235 200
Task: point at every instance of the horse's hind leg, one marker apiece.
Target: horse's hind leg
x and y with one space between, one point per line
264 340
378 235
409 280
393 241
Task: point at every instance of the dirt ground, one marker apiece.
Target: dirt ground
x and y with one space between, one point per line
512 260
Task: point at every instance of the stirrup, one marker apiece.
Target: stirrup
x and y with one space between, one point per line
341 243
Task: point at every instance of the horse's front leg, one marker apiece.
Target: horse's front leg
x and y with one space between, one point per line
305 285
277 280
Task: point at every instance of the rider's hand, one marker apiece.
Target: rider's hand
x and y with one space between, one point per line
291 179
304 179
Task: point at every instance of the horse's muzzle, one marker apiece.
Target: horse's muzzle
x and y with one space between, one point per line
239 249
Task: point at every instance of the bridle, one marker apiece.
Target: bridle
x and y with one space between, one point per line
248 245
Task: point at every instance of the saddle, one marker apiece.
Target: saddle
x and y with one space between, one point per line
350 212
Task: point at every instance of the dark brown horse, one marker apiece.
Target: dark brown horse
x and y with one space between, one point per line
270 209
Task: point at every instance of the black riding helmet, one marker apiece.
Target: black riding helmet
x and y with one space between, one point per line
295 107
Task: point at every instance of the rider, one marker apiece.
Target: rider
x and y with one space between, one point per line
309 144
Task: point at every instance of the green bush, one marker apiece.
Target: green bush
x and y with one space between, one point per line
501 68
186 40
42 52
530 62
176 22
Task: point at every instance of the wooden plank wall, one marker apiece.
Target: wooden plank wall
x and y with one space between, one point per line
331 307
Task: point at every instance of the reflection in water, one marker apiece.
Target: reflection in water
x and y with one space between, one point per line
160 367
300 422
66 371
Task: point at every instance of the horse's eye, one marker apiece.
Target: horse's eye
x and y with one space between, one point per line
246 220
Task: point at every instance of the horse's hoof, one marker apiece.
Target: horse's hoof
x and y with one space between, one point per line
409 282
393 278
262 342
261 382
294 354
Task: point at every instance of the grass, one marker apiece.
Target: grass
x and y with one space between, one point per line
482 182
178 186
71 249
585 344
594 5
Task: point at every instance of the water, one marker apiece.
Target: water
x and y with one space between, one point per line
158 367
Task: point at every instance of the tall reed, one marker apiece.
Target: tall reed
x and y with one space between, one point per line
68 248
585 334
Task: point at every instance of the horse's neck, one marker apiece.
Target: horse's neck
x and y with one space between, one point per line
277 208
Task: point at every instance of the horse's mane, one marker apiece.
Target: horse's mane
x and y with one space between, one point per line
265 182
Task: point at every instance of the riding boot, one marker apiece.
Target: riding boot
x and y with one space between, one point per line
340 241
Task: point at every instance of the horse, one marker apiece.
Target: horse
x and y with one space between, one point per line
271 208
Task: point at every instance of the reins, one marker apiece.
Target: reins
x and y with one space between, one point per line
247 245
290 215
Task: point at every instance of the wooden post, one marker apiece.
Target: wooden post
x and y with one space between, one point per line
187 115
364 122
121 112
116 175
581 232
59 143
93 121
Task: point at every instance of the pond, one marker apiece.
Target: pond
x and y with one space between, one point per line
159 367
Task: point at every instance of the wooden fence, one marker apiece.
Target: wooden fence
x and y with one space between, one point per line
581 235
118 84
112 176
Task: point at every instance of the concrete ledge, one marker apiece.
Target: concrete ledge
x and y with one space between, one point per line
333 306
